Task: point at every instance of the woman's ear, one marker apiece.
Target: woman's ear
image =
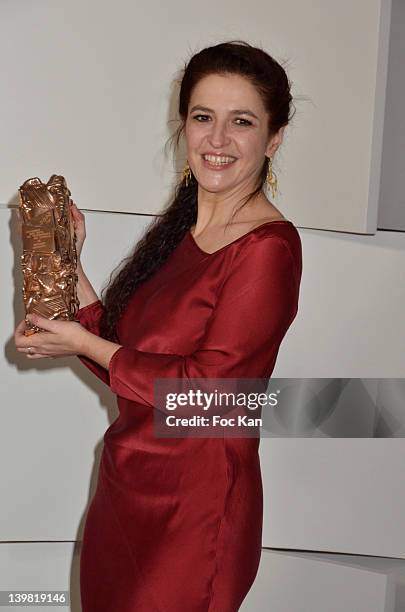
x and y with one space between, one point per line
275 142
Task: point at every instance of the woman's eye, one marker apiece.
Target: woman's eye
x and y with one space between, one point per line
245 121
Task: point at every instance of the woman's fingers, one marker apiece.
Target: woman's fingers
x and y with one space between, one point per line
20 327
79 225
22 341
76 212
28 350
19 333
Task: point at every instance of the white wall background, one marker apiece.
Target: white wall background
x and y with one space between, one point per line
66 111
89 91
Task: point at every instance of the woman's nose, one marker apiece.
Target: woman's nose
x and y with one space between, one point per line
218 135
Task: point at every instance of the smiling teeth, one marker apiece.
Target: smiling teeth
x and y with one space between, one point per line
214 159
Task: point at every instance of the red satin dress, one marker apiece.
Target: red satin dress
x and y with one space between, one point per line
175 524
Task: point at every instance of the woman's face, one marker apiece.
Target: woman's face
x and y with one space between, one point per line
227 119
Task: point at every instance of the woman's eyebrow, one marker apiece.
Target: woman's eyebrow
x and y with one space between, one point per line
233 112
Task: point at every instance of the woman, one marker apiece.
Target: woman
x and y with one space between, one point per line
209 292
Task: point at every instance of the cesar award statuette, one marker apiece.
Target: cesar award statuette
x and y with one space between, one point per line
49 256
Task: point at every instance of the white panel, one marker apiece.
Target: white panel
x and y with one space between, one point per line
338 495
88 92
295 582
350 321
41 566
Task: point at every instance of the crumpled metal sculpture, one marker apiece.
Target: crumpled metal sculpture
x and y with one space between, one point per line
49 256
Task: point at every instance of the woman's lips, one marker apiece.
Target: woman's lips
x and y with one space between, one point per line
218 167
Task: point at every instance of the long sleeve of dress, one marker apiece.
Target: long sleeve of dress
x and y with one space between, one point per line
89 317
255 306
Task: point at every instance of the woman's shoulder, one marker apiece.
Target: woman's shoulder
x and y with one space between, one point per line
276 241
280 230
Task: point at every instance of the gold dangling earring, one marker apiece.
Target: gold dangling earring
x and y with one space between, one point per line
271 178
186 174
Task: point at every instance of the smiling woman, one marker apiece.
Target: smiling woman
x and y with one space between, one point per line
176 522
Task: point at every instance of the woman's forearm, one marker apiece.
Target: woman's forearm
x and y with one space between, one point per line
85 291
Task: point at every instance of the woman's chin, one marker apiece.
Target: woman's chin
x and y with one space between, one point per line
213 186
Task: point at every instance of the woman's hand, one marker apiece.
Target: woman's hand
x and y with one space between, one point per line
79 223
61 338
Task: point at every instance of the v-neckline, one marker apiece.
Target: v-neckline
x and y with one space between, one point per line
192 239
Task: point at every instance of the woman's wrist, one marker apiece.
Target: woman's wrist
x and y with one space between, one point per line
83 341
96 348
85 291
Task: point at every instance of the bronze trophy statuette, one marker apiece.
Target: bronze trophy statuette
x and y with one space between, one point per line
49 256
